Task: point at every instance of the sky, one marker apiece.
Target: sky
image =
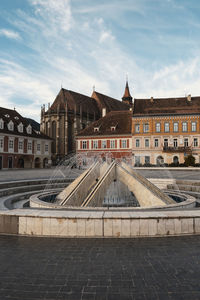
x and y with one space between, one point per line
81 44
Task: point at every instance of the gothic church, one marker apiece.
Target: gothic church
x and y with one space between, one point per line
71 112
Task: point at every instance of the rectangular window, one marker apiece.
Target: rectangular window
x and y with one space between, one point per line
38 147
103 144
146 127
29 145
137 128
175 127
167 127
137 143
11 144
195 142
95 144
186 142
20 145
1 143
165 143
124 143
157 127
146 143
175 143
147 159
137 160
112 144
156 143
194 126
46 148
84 144
184 126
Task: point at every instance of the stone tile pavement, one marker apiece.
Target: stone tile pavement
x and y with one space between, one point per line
61 172
54 268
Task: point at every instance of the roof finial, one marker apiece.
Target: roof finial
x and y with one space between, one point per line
126 77
61 86
93 88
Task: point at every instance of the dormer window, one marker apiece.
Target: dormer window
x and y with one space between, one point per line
7 116
16 118
20 127
11 125
113 128
1 124
29 129
96 129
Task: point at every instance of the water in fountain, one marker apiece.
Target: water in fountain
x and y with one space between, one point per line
118 194
68 168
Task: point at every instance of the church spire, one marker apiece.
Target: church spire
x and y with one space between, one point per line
127 96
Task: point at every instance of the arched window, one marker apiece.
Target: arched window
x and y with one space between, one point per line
54 137
1 124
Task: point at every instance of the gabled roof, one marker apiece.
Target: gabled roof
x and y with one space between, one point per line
8 115
74 101
35 125
166 106
121 119
109 103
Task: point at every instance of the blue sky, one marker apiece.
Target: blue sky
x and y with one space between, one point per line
81 43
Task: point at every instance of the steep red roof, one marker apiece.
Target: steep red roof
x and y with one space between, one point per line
122 120
109 103
127 92
166 106
74 101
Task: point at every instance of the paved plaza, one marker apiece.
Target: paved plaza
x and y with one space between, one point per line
54 268
61 172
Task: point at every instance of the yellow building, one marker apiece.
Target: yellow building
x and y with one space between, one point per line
166 130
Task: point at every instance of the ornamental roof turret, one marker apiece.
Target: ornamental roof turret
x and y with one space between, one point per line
127 96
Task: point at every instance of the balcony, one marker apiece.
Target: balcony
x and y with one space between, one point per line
177 149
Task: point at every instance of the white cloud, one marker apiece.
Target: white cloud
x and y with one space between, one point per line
10 34
106 36
79 53
56 12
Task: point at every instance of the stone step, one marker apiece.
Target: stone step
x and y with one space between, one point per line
188 182
9 184
7 203
27 188
182 187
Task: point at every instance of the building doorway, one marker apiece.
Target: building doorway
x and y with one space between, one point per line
10 162
37 163
45 162
21 163
175 160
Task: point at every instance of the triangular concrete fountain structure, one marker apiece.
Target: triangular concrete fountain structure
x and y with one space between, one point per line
89 189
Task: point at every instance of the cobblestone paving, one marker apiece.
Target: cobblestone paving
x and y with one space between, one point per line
51 268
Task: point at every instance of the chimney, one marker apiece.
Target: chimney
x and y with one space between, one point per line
151 100
48 105
189 97
103 112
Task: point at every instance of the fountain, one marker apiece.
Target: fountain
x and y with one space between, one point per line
102 199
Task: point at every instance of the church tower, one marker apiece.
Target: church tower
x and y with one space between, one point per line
127 96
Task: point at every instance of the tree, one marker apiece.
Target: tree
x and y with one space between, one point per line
189 160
